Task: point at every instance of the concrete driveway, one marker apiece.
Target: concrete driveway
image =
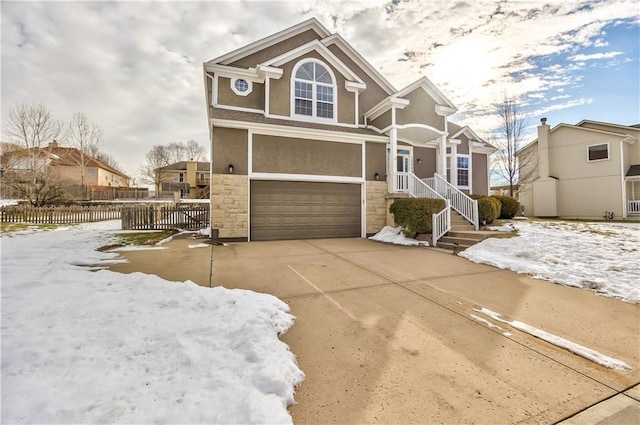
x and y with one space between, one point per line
390 334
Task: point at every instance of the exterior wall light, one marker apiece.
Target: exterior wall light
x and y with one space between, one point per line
376 176
230 168
419 160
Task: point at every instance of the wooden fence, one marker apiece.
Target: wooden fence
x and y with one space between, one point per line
157 217
59 215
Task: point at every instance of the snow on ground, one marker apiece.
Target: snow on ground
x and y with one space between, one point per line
603 257
82 346
575 348
394 235
8 202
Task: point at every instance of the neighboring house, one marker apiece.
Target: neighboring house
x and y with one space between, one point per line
590 170
190 178
65 164
310 141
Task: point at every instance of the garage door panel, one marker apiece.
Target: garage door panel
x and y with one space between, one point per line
304 210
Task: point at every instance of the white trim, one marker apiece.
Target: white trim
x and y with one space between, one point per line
600 159
363 209
314 101
384 105
301 133
305 178
454 141
214 88
300 118
238 92
309 24
359 60
267 95
249 151
624 185
238 108
249 170
326 54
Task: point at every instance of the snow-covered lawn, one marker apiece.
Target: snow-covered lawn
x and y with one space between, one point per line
604 257
82 346
395 236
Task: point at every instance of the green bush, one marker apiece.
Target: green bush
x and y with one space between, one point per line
488 208
510 206
414 214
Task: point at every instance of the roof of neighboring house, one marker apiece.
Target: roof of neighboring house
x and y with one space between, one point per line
634 170
61 155
182 166
609 124
251 117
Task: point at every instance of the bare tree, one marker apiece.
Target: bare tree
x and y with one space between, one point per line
195 151
159 156
509 139
32 127
86 137
107 159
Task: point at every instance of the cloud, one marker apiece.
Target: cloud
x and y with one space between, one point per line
594 56
135 67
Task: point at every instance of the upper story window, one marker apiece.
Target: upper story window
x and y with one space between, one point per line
463 170
181 177
314 91
241 87
598 152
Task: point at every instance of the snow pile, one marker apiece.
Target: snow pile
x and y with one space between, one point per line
8 202
394 235
509 227
575 348
603 257
102 347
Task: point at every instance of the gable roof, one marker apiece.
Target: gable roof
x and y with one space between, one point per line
468 131
310 24
425 84
61 155
608 124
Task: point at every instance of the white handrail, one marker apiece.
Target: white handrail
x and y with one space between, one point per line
405 182
440 224
460 202
634 207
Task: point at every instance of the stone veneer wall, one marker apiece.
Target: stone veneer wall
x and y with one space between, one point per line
376 206
229 205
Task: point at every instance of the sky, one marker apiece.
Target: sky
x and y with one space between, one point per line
135 68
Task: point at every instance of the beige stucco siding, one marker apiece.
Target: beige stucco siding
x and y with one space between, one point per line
480 185
276 50
373 93
229 147
280 91
463 147
226 95
382 122
273 154
375 161
422 110
426 167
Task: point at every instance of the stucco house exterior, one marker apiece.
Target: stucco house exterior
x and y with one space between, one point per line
190 178
590 170
310 141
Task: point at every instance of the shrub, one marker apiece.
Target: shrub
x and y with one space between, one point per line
414 214
488 208
510 206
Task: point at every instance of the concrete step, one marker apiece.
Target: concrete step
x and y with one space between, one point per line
451 246
459 241
476 236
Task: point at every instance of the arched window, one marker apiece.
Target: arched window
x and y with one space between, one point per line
314 90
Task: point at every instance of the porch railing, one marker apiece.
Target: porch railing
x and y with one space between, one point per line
460 202
633 207
410 183
441 223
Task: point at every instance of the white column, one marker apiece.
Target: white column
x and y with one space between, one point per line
442 161
393 151
453 164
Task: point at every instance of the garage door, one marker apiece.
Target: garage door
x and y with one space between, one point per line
304 210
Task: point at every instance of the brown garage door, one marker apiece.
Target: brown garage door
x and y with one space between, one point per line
304 210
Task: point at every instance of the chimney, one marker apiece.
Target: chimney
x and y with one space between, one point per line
543 148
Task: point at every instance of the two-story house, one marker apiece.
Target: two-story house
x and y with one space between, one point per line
310 141
190 178
590 170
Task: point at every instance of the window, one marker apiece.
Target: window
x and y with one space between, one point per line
314 91
91 171
181 177
202 176
241 87
463 170
598 152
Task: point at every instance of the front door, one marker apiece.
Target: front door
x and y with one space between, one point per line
403 161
